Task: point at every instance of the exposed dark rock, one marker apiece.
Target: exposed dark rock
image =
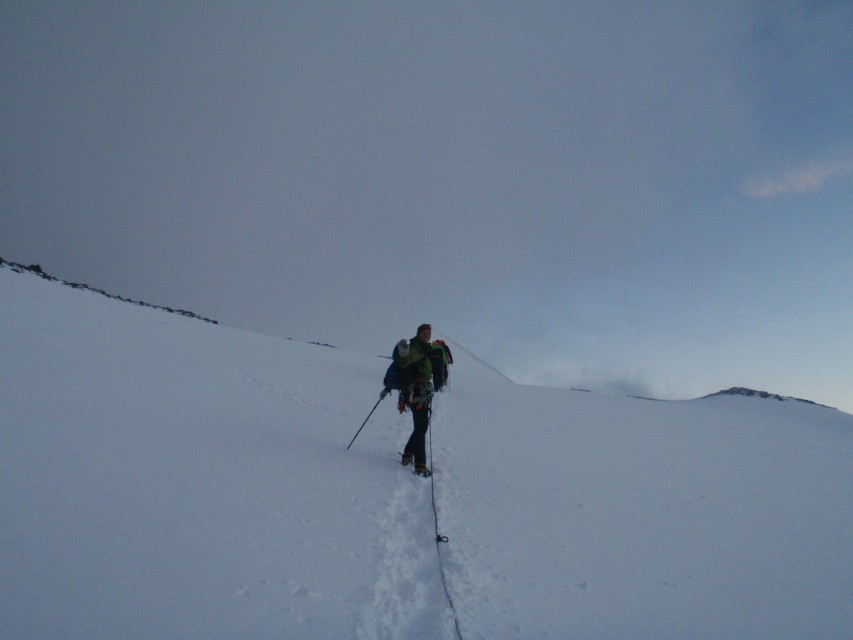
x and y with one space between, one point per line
37 270
743 391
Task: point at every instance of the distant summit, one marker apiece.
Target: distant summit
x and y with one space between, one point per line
37 270
743 391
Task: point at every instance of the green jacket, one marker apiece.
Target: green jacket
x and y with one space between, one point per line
417 361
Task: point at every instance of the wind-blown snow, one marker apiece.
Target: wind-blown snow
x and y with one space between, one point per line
161 477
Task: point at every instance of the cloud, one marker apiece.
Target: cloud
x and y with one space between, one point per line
810 178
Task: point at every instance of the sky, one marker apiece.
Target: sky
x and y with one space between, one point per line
634 198
163 477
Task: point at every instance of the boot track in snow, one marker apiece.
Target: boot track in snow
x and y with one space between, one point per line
409 598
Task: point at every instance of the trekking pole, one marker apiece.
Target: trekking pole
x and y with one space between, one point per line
382 395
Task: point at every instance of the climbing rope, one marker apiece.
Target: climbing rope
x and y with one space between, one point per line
439 539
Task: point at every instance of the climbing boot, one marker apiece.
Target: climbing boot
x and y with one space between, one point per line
422 470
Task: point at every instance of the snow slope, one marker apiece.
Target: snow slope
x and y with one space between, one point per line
162 477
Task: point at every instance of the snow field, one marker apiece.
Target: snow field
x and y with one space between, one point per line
161 477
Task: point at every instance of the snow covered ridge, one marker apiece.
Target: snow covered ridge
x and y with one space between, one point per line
742 391
37 270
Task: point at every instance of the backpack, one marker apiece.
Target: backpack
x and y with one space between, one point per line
399 378
438 355
395 377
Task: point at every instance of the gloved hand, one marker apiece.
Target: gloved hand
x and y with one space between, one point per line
403 348
384 392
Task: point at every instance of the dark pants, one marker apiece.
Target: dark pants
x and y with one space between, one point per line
417 441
